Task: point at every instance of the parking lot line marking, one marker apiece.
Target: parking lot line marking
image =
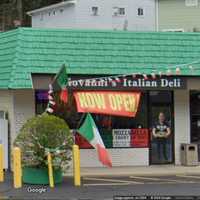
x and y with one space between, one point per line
111 180
101 184
129 183
157 179
145 178
168 182
188 176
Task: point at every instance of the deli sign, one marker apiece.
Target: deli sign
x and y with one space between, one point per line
163 83
108 102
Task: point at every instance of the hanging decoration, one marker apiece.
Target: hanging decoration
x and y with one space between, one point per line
61 80
51 102
178 71
110 79
134 75
153 75
117 79
169 72
145 76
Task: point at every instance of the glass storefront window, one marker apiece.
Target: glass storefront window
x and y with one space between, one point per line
195 116
117 131
41 100
108 125
112 127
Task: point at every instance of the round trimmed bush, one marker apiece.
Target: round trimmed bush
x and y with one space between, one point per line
42 134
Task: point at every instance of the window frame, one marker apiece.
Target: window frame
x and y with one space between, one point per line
95 10
117 11
140 9
123 13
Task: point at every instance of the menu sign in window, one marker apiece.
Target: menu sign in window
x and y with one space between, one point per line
136 138
139 138
121 137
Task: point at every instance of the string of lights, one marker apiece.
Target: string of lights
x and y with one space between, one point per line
154 72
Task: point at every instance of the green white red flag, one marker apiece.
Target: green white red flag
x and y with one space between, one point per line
91 133
60 82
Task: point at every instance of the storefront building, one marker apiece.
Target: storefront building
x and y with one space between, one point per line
163 67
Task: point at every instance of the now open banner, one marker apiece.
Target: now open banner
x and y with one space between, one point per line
107 102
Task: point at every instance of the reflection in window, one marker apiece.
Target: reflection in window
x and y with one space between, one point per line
41 100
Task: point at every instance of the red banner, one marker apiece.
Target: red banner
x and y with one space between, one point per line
140 138
107 102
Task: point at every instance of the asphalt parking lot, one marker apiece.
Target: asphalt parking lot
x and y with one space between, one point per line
137 180
105 187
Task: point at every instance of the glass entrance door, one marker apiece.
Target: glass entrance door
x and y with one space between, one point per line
195 118
161 128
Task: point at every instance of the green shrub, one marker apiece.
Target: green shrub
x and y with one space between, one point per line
42 134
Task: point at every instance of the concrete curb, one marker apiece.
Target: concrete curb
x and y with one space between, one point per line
137 171
133 174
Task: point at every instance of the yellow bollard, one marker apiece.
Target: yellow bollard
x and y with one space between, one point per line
76 163
1 163
17 168
51 181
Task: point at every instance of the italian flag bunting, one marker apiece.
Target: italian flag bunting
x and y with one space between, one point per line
90 132
60 82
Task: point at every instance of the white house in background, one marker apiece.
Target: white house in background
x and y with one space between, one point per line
136 15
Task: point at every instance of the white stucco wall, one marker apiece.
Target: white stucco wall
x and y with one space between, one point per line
63 17
181 121
79 15
24 108
120 157
182 115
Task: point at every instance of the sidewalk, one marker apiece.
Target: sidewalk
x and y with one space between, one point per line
153 170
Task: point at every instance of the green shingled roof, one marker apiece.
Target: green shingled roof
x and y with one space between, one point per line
28 50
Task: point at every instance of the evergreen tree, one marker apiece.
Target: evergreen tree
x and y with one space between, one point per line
13 12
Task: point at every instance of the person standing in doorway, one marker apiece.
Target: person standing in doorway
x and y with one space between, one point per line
161 131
